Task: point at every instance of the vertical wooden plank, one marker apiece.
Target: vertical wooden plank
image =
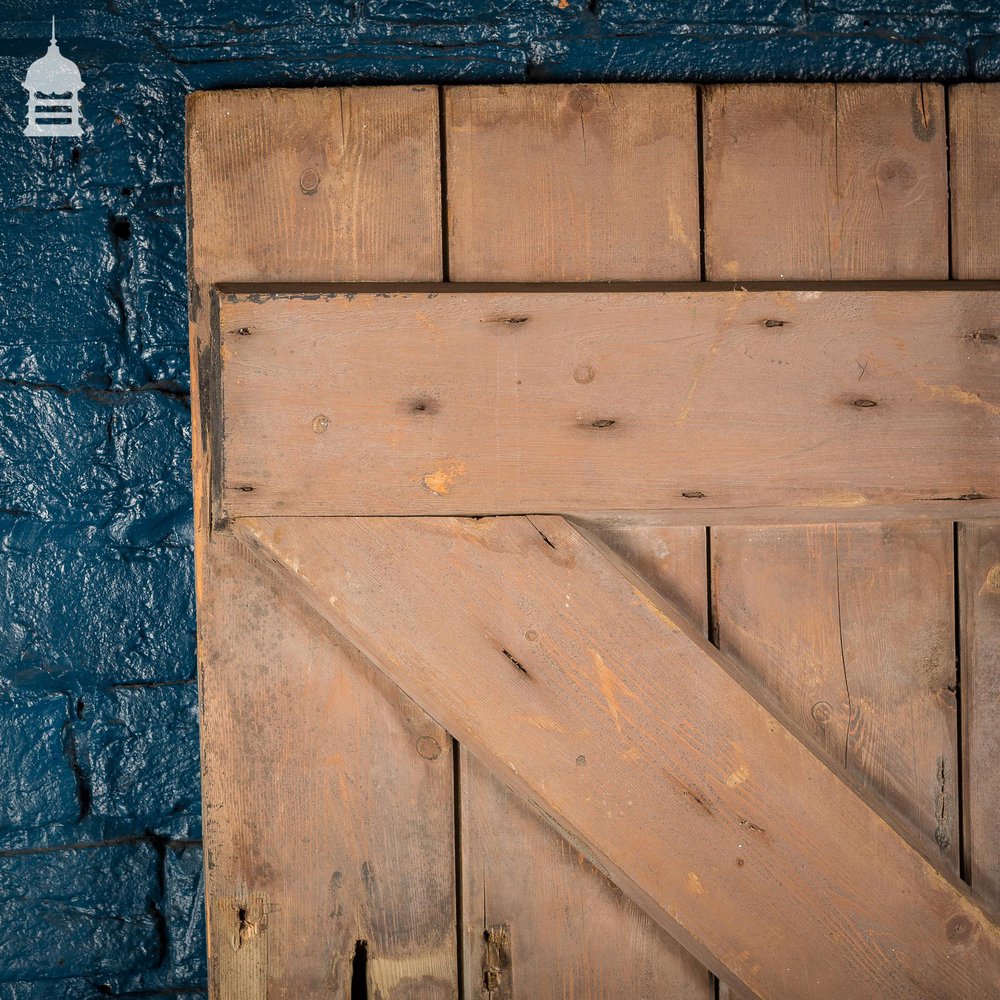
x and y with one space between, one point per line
572 183
837 182
891 205
585 182
850 626
328 795
979 600
328 804
768 168
974 110
340 184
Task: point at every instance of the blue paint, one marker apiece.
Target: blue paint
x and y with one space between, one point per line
92 906
97 699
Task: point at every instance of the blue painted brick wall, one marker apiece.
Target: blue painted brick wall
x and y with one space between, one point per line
101 882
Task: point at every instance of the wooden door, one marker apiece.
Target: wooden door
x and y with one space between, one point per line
577 619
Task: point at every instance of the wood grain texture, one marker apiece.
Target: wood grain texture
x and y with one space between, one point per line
519 870
574 182
974 110
307 752
979 599
571 183
834 182
882 218
674 561
573 933
587 661
322 789
339 184
852 630
437 402
915 511
854 179
240 947
975 179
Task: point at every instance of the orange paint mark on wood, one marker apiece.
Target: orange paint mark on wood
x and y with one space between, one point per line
440 482
609 684
738 776
961 395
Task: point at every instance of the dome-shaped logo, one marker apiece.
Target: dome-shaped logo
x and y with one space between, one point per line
53 84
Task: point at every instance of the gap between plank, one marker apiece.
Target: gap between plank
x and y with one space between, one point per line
711 620
964 861
711 608
456 749
947 173
700 142
443 167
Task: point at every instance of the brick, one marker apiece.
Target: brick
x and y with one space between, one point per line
92 989
37 783
139 746
79 912
95 456
50 331
184 910
77 608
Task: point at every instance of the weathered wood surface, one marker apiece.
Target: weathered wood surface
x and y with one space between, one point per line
974 110
521 871
844 182
570 184
573 933
846 642
592 696
328 796
852 631
338 184
979 599
328 804
497 402
830 182
855 189
975 187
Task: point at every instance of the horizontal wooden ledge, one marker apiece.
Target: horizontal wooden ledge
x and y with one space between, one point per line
714 403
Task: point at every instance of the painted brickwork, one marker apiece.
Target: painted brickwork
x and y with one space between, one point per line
100 859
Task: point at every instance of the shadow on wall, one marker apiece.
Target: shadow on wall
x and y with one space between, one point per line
100 860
